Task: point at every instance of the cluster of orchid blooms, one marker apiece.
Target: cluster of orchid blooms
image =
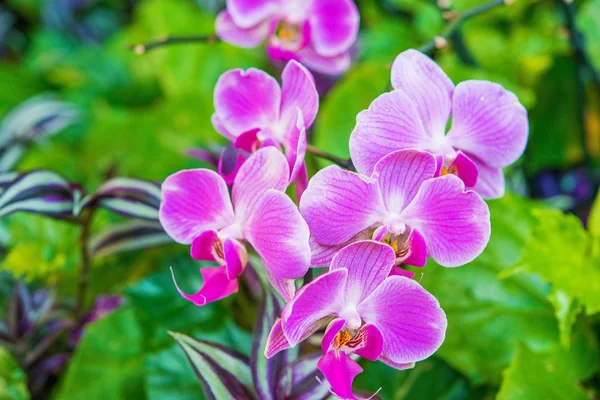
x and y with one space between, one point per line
417 191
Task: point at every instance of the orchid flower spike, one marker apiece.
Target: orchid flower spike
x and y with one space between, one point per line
318 33
375 316
196 209
400 204
253 111
489 126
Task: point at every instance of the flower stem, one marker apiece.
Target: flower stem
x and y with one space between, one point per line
169 40
85 264
456 21
327 156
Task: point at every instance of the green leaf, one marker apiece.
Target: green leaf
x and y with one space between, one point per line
594 218
560 251
169 376
13 381
108 362
587 21
530 378
337 116
488 316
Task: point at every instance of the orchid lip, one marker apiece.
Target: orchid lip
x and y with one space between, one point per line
350 314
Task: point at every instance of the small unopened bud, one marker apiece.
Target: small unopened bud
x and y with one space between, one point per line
440 42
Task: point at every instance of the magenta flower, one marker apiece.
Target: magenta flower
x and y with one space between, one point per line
489 126
377 316
399 204
253 111
318 33
196 209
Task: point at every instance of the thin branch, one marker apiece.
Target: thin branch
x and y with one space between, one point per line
86 264
327 156
456 21
170 40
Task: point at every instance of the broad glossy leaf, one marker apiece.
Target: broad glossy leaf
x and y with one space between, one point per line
530 378
13 381
223 373
168 376
128 236
40 192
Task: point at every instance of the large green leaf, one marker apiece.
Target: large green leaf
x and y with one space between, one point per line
488 316
169 376
337 116
594 218
531 378
13 381
109 361
561 252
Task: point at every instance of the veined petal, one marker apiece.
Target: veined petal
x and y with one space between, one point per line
489 122
335 65
236 257
368 264
280 236
391 123
247 13
248 37
193 201
266 169
321 255
455 224
333 328
286 287
400 175
338 204
465 169
427 85
417 251
276 341
246 100
298 91
295 148
333 26
215 286
220 127
321 298
490 180
410 319
399 366
339 370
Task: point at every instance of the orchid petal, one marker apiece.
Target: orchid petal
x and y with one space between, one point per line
333 328
410 319
276 341
489 122
301 181
236 257
265 169
193 201
230 162
335 65
490 180
417 250
339 370
321 255
372 339
319 299
368 264
220 127
338 204
400 174
398 366
399 271
465 169
333 26
296 148
286 287
428 86
251 36
298 91
455 224
205 245
246 100
391 123
247 13
215 286
280 236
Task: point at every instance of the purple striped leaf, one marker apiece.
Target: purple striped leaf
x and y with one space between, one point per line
40 192
304 383
223 373
32 120
128 236
266 372
130 197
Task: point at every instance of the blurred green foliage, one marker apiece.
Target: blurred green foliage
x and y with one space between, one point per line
522 318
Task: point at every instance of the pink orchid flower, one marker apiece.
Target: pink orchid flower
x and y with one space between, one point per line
377 316
401 204
253 111
318 33
196 209
489 126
